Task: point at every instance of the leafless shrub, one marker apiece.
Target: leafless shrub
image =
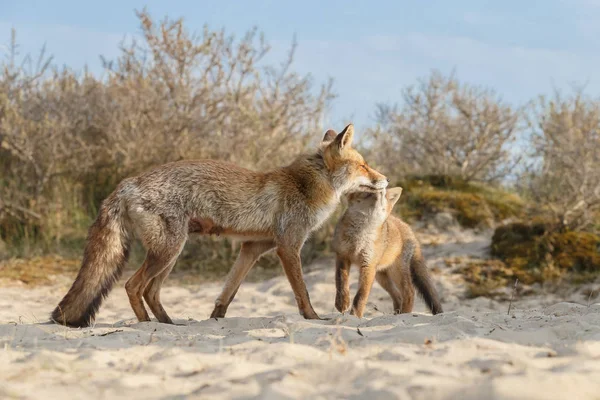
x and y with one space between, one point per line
445 127
66 139
565 175
181 95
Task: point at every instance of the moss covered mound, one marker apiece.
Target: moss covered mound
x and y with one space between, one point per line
472 205
483 277
537 252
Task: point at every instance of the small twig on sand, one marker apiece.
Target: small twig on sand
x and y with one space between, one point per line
511 295
499 326
107 333
590 297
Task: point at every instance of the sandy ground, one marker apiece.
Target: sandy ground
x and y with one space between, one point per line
546 349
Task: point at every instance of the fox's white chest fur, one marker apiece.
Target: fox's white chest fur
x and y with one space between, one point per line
355 237
323 213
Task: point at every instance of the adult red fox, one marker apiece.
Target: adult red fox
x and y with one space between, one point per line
384 248
265 210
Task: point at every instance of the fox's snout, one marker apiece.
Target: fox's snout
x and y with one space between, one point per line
379 184
378 180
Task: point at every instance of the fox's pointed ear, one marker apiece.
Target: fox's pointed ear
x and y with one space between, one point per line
329 136
393 195
344 139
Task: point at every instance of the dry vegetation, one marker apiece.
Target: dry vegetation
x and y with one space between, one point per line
448 128
565 176
67 138
451 146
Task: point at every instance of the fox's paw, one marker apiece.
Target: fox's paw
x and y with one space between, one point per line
310 314
219 311
342 302
357 313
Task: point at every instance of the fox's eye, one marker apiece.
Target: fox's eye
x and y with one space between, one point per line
364 166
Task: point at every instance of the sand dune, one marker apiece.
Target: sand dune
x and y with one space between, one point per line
544 350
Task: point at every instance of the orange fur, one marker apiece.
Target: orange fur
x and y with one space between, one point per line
266 210
385 249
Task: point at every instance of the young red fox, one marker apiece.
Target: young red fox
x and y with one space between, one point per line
385 248
275 209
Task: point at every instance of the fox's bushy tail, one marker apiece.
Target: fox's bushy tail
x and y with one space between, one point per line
106 253
422 280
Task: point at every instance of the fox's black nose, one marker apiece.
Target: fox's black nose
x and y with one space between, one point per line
388 180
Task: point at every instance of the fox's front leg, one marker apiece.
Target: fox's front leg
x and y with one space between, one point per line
249 253
342 285
365 282
290 259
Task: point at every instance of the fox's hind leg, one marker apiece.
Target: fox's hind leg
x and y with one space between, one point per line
164 239
152 294
400 276
386 282
247 257
408 293
148 280
132 287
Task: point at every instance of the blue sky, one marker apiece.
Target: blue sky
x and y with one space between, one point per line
371 49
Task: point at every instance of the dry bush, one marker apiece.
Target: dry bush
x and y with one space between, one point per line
447 128
565 175
180 95
66 139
